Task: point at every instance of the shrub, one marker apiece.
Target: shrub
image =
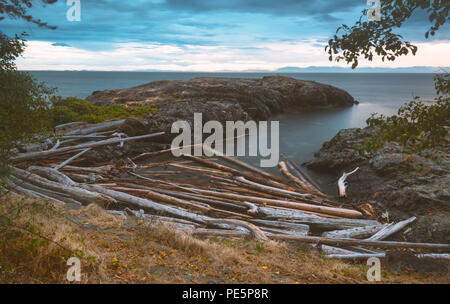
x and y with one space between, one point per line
65 110
417 126
24 105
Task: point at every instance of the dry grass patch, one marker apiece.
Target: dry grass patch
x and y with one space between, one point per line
37 237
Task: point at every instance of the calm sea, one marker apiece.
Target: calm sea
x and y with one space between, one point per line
300 134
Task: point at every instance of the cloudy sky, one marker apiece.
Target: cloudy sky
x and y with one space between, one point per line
204 35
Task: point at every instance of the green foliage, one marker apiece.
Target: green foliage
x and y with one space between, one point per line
74 109
19 10
24 105
417 126
10 49
368 38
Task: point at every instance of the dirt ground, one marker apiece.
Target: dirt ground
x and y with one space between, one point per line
37 238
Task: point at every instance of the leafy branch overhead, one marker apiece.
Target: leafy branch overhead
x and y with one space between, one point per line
367 39
17 9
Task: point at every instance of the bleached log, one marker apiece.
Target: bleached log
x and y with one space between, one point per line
354 242
61 165
158 181
106 126
255 230
35 155
383 233
189 196
342 184
257 178
98 170
219 232
295 216
37 192
296 180
303 229
48 193
158 218
293 205
167 198
82 195
381 255
253 209
85 178
70 125
391 229
271 190
28 192
354 233
53 175
358 232
58 143
240 163
301 174
146 203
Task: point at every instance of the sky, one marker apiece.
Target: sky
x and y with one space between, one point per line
204 35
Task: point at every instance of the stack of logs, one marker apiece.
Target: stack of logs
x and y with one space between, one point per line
204 197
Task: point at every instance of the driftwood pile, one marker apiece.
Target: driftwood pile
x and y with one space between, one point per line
205 197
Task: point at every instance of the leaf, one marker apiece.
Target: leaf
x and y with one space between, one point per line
4 221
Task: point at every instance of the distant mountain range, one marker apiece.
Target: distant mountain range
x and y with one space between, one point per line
319 69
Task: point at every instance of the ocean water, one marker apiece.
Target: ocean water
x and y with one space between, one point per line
301 134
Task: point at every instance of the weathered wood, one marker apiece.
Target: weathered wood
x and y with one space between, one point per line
61 165
166 198
35 155
271 190
354 242
354 233
103 170
255 230
219 232
194 197
242 164
158 181
82 195
146 203
295 216
85 178
342 184
296 180
235 171
391 229
53 175
35 191
287 204
298 172
99 127
304 229
159 218
381 255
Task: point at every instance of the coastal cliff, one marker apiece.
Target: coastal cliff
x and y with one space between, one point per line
393 180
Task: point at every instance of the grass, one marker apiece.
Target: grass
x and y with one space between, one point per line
74 109
37 238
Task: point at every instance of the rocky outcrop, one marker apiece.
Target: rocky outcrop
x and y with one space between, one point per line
402 183
225 99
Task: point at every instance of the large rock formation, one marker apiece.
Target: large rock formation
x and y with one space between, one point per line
225 99
404 184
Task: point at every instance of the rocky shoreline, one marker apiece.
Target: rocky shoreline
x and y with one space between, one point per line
401 183
224 99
